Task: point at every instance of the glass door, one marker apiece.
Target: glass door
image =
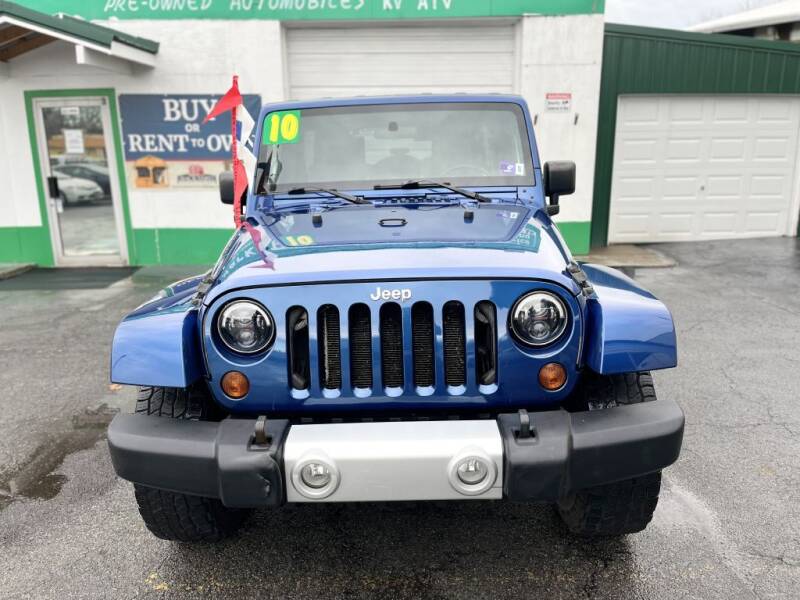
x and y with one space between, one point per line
80 179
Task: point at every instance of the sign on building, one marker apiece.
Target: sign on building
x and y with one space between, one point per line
73 141
558 102
311 9
166 144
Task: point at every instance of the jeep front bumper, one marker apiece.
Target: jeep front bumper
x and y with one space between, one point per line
409 460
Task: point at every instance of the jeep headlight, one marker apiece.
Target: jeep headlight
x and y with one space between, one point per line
245 327
538 319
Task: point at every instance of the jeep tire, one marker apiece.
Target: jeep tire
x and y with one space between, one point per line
181 517
625 506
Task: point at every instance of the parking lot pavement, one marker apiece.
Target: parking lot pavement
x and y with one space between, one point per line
727 526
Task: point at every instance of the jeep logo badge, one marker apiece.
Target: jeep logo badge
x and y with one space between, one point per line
402 295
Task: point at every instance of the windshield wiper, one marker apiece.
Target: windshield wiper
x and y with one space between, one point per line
338 194
423 183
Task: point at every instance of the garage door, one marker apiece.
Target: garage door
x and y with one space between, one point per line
400 60
703 167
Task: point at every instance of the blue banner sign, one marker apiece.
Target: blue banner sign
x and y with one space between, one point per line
170 126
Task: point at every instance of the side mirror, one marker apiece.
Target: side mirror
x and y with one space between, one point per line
559 180
226 187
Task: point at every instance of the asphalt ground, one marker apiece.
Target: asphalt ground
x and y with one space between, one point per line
727 525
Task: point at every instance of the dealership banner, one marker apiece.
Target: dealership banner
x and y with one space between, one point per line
311 9
167 145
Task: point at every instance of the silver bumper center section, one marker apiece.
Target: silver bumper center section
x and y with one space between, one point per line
422 460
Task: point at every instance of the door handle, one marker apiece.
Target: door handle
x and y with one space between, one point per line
52 187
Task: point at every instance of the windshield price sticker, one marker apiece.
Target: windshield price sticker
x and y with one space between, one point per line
282 127
299 240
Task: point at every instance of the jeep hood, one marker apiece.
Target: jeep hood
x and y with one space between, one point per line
392 243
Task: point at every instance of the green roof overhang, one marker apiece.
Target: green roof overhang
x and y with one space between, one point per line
23 30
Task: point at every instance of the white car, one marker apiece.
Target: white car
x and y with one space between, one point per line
93 172
76 189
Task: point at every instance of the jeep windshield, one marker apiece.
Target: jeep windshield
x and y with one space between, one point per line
359 147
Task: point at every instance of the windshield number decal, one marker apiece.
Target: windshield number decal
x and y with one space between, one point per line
300 240
282 127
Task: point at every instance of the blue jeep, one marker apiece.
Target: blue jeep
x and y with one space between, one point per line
398 318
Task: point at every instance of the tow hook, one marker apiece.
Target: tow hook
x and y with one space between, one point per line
525 430
261 438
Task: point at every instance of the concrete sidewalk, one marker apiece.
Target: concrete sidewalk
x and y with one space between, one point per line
628 255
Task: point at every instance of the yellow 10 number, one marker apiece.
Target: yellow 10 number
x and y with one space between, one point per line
300 240
283 127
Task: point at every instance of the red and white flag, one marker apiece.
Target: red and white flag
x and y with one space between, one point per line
244 162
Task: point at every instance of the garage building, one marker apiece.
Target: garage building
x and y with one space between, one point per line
697 137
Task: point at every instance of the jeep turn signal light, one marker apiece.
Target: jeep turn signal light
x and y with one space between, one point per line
552 377
235 384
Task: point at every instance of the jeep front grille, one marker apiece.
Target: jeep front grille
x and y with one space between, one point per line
422 344
297 348
485 343
392 345
414 350
360 346
455 356
329 338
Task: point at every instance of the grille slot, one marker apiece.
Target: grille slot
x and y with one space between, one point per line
297 348
485 343
330 352
455 354
391 330
422 344
360 333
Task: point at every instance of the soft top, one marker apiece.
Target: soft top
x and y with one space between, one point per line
395 99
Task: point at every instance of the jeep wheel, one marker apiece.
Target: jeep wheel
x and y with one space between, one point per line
181 517
625 506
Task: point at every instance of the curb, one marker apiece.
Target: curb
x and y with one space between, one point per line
9 271
629 256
